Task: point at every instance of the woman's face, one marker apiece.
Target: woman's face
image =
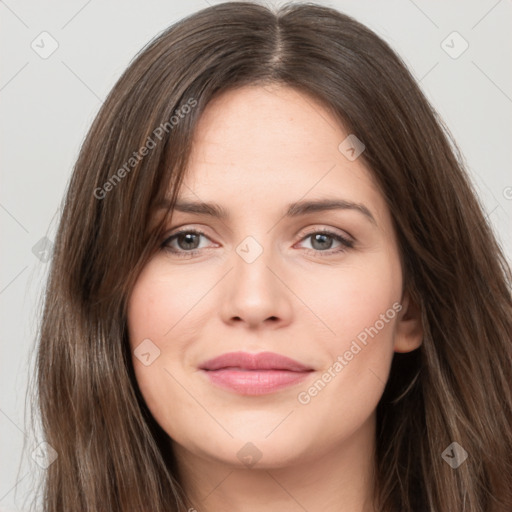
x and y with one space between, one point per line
260 280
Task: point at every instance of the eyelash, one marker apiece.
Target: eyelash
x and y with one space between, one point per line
345 243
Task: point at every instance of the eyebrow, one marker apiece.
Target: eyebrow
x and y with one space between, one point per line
296 209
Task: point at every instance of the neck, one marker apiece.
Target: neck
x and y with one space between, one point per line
337 477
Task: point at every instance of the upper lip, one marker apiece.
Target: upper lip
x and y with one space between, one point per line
259 361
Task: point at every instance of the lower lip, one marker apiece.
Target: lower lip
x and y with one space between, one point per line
255 382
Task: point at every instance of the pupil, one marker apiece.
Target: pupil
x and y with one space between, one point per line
321 238
188 240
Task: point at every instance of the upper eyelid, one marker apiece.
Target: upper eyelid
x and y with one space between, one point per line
317 227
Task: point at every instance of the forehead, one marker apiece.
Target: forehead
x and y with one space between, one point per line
265 124
259 146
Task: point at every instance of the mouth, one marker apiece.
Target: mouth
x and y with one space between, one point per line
254 374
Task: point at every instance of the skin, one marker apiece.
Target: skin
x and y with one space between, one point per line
257 149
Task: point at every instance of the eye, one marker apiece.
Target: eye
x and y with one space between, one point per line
322 241
187 241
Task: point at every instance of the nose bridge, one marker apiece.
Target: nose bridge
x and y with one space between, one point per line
255 293
251 272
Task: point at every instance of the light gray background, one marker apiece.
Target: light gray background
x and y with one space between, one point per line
47 106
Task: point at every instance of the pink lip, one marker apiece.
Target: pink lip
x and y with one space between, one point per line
254 374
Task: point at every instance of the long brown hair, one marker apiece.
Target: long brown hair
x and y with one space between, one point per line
112 455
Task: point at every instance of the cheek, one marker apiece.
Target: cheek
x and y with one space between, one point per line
158 330
166 316
352 298
159 305
361 309
363 301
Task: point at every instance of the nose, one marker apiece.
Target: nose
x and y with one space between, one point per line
255 292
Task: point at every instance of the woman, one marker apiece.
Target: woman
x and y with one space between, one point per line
367 371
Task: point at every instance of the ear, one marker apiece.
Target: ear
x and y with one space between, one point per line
409 327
